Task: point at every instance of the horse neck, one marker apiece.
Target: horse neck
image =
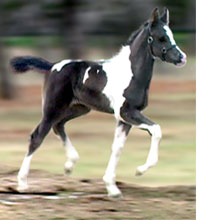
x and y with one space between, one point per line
141 59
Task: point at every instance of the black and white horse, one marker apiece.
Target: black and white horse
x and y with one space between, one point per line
117 86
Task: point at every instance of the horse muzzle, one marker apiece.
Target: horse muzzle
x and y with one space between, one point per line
182 60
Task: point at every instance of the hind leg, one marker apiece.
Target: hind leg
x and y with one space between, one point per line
58 95
71 153
36 139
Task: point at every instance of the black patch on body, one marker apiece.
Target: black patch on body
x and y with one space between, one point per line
136 93
66 87
97 78
90 91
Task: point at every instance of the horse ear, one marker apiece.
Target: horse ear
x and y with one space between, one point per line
155 15
165 16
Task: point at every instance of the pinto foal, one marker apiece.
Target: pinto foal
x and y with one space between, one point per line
117 86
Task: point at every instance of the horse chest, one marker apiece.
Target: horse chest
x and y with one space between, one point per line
137 99
136 96
119 76
103 90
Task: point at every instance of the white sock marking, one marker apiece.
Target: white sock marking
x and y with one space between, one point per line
152 158
110 174
72 156
23 173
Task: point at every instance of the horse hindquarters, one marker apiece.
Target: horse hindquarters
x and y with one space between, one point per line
58 96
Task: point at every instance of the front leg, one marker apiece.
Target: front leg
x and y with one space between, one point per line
121 132
135 117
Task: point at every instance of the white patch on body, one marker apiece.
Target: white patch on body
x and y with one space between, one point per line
60 65
172 41
23 173
86 75
110 174
152 158
119 75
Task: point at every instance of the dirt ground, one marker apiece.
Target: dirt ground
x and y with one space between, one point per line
55 197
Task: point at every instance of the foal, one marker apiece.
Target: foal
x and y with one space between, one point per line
117 86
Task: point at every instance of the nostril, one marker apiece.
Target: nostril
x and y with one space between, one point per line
180 56
182 59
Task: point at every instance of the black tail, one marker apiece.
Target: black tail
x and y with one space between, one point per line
26 63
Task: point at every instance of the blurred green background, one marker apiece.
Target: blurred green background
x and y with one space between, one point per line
86 29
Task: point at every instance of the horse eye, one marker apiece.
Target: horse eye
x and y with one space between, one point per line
162 39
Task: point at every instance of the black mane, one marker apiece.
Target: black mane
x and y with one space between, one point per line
135 33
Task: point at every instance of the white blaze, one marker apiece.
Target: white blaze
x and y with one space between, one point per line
172 41
170 35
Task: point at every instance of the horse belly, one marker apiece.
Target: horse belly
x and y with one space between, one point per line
94 99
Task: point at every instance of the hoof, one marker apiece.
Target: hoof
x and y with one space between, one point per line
138 173
114 192
68 168
22 187
141 170
67 171
22 183
116 195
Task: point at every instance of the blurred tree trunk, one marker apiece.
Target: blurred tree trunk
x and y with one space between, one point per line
72 29
6 90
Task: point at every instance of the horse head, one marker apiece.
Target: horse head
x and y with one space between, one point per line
161 40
